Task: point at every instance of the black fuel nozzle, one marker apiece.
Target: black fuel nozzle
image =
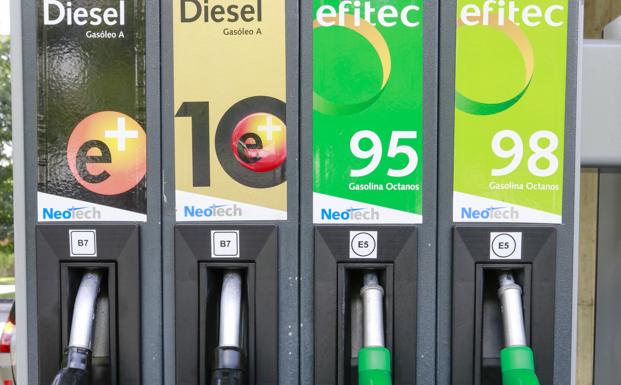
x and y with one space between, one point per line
77 370
229 366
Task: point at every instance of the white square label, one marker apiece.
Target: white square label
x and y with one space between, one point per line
82 243
505 246
363 244
225 243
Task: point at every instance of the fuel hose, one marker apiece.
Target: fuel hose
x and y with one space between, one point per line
79 351
373 358
516 359
229 360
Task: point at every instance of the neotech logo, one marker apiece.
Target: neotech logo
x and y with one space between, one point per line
356 214
107 153
499 213
212 211
72 213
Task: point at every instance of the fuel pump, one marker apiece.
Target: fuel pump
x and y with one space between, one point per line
370 300
230 337
489 341
229 366
79 351
373 358
368 197
516 359
505 223
88 305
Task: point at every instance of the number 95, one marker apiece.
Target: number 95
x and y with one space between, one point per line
375 152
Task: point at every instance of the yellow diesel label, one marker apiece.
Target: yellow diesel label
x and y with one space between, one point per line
230 123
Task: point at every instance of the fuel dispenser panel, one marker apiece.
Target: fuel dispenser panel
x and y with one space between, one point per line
88 289
365 304
481 256
226 304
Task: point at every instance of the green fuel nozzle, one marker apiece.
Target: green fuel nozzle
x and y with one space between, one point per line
373 358
518 366
229 366
516 359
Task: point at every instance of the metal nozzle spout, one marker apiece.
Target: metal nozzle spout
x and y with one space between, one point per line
230 309
373 304
229 366
510 295
79 351
373 358
84 311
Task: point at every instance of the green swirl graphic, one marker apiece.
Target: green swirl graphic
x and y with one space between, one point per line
520 39
375 38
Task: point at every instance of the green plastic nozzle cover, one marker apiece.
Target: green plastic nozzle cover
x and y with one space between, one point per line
518 366
374 366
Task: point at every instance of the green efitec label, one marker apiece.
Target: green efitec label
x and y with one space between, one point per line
511 69
368 111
